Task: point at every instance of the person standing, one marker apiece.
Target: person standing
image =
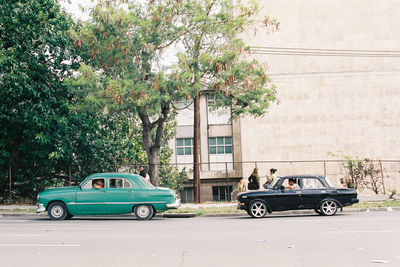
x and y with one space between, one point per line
142 172
241 186
254 180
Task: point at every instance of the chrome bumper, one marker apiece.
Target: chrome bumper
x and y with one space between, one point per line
175 205
40 208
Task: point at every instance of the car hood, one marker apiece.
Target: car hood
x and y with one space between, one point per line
256 192
60 189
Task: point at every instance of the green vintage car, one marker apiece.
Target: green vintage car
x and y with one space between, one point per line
107 193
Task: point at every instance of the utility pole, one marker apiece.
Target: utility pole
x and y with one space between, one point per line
69 175
196 169
10 181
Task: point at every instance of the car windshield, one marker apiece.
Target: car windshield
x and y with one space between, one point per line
329 182
275 182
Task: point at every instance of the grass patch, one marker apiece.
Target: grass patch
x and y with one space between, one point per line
383 204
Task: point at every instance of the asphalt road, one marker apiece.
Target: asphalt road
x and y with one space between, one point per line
347 239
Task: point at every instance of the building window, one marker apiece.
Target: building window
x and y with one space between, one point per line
210 100
187 195
220 145
184 146
222 193
183 103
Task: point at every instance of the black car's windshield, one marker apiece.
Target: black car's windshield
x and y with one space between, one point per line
329 182
275 183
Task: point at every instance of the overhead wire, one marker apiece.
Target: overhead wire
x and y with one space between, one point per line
296 51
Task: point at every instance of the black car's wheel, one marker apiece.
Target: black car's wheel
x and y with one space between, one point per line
258 209
144 212
248 212
328 207
57 211
318 211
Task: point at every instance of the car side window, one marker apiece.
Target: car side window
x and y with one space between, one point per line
94 183
291 183
115 183
312 183
127 184
119 183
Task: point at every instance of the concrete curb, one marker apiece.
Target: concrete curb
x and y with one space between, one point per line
44 215
191 215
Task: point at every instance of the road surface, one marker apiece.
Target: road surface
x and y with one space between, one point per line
347 239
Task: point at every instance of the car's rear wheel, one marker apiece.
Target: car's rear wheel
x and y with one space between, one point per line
258 209
57 211
328 207
144 212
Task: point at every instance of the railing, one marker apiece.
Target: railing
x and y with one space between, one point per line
387 172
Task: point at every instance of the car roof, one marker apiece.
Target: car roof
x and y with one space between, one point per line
113 174
304 176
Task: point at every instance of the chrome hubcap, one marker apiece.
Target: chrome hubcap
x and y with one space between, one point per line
57 211
258 209
329 207
143 211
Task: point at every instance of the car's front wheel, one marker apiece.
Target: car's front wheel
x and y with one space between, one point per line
328 207
258 209
144 212
318 211
57 211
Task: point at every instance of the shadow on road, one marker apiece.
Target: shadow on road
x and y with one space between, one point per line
100 218
279 216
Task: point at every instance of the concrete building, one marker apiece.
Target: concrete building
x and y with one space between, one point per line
347 102
219 149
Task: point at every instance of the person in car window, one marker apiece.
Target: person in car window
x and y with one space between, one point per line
292 184
98 184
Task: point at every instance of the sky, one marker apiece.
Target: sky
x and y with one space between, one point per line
73 8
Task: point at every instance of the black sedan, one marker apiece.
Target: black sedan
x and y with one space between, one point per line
295 193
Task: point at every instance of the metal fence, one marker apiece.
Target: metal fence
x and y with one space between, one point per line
214 176
228 174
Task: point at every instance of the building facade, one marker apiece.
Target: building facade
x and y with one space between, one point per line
219 142
345 103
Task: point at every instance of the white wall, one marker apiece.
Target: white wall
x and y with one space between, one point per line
328 104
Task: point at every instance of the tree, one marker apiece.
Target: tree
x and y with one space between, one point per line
361 173
34 49
132 46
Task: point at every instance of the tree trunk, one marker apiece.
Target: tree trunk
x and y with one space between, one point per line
154 167
151 150
153 147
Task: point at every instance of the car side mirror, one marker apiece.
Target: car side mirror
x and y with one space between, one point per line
282 188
